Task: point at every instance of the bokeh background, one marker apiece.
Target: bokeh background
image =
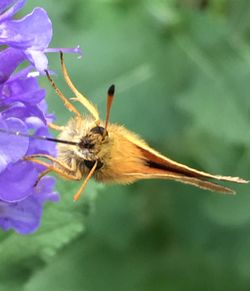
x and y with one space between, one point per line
182 73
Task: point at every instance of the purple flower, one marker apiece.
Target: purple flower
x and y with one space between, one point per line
30 35
24 216
23 109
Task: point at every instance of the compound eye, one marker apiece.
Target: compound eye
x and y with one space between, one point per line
86 144
98 130
90 164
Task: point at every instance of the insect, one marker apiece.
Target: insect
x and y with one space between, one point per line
89 147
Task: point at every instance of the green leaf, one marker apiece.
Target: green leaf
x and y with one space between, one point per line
61 223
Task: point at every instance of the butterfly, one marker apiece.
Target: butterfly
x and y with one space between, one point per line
110 153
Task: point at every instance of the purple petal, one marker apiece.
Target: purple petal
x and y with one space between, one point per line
20 178
21 89
32 31
24 112
43 191
22 74
24 216
10 58
34 122
50 117
12 147
12 10
37 58
42 146
4 4
43 106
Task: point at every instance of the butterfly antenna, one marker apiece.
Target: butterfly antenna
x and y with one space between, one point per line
110 97
38 137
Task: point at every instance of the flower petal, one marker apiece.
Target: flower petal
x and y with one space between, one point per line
10 58
24 112
37 58
24 33
12 10
12 147
17 181
21 89
4 4
24 216
42 146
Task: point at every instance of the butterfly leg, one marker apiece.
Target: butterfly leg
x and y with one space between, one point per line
44 173
52 159
55 126
79 97
64 171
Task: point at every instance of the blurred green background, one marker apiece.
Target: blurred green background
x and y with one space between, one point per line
182 73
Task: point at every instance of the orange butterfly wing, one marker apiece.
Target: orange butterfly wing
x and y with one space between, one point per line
158 166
